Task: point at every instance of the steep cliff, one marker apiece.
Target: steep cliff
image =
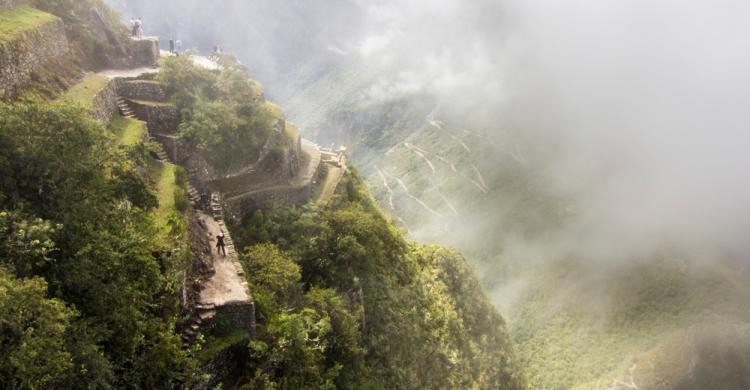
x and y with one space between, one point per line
116 248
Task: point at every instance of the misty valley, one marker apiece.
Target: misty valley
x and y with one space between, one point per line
374 194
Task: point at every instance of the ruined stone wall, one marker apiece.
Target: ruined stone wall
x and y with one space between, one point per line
105 104
144 51
19 57
236 208
160 118
141 90
178 149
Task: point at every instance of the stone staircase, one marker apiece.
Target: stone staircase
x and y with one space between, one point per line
218 213
202 316
124 108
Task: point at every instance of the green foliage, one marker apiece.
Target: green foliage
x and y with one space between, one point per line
26 245
80 219
20 19
273 275
84 92
222 113
128 131
33 329
401 315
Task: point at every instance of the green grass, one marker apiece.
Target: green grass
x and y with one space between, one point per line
166 186
18 20
128 131
84 93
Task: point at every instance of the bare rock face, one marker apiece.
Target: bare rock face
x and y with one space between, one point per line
29 49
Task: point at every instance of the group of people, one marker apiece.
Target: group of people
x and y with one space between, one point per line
136 27
175 45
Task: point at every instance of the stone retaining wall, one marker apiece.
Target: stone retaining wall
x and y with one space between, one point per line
241 314
105 104
141 90
160 118
237 207
19 57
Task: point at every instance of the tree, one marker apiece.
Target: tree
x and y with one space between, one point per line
32 335
273 276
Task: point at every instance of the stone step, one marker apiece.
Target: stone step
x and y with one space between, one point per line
206 315
205 306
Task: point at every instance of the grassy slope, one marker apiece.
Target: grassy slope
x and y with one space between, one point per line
84 92
166 187
19 20
128 131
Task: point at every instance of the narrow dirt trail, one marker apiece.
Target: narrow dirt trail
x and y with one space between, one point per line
409 194
628 383
480 177
479 184
226 284
447 202
518 155
388 189
419 153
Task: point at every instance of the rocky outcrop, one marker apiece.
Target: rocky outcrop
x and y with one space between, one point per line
28 49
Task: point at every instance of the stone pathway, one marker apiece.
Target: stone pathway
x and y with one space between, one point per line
227 284
128 73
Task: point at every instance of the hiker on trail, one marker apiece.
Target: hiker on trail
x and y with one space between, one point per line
220 245
177 46
171 45
133 28
139 27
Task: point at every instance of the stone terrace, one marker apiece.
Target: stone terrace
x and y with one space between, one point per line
28 38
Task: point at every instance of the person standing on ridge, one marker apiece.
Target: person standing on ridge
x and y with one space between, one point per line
171 45
220 245
133 28
139 27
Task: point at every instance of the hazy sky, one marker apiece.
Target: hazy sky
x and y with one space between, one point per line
644 103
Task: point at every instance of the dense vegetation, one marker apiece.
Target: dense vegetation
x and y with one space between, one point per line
95 248
223 112
87 292
345 301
